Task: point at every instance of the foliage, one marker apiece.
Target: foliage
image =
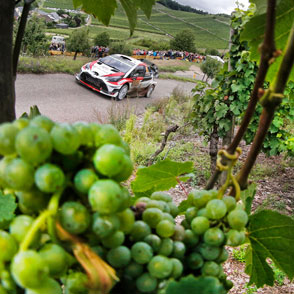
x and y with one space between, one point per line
78 41
34 40
210 67
184 41
121 48
177 6
7 209
102 39
212 51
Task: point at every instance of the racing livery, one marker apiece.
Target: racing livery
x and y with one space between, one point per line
118 75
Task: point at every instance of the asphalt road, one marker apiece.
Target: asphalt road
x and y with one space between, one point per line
59 97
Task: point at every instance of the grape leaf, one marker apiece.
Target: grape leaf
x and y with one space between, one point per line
247 197
271 236
255 28
160 176
104 9
7 208
191 284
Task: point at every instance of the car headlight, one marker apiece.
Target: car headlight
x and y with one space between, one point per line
113 79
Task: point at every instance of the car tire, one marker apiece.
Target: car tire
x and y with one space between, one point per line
149 91
122 92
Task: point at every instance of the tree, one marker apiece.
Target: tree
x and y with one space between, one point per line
184 41
102 39
78 42
210 67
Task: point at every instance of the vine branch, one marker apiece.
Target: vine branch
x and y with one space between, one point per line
268 50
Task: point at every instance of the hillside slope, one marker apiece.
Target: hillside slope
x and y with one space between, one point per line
210 31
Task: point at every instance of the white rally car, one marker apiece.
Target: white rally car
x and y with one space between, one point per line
118 75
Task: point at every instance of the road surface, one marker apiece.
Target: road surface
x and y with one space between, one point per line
59 97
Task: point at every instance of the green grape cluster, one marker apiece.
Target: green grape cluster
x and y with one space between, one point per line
84 162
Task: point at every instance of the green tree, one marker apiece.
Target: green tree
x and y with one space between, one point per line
184 41
78 42
210 67
34 39
102 39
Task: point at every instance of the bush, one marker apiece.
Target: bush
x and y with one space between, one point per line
184 41
102 39
78 41
211 67
120 48
213 51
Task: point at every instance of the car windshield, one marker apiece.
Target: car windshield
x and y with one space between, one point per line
121 63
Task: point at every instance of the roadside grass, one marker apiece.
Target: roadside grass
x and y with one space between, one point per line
51 64
178 78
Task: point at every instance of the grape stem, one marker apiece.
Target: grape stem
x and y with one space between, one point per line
182 187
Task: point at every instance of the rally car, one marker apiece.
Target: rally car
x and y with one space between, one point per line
118 76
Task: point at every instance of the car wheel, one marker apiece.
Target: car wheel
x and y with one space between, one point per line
122 92
150 91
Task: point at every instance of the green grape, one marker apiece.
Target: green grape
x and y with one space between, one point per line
191 213
179 250
126 147
74 217
108 160
126 169
105 225
20 226
166 247
43 122
235 238
7 281
202 212
165 206
106 134
200 225
127 220
126 199
179 233
139 231
8 133
119 257
33 144
146 283
49 178
152 216
190 238
84 179
29 270
32 201
216 209
49 286
174 210
154 241
4 162
195 261
55 258
201 197
214 237
228 285
209 252
100 251
168 217
161 196
85 133
230 202
160 267
142 199
185 224
19 174
105 196
69 162
65 138
155 204
76 283
141 252
224 255
8 246
114 240
133 270
210 268
237 219
177 268
21 123
165 229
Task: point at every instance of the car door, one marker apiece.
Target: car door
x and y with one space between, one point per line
137 76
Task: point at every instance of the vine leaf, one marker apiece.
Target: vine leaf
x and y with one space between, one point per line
160 176
254 31
271 236
104 9
7 209
247 197
190 284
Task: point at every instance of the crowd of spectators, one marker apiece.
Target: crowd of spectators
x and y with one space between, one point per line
99 51
170 54
57 47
